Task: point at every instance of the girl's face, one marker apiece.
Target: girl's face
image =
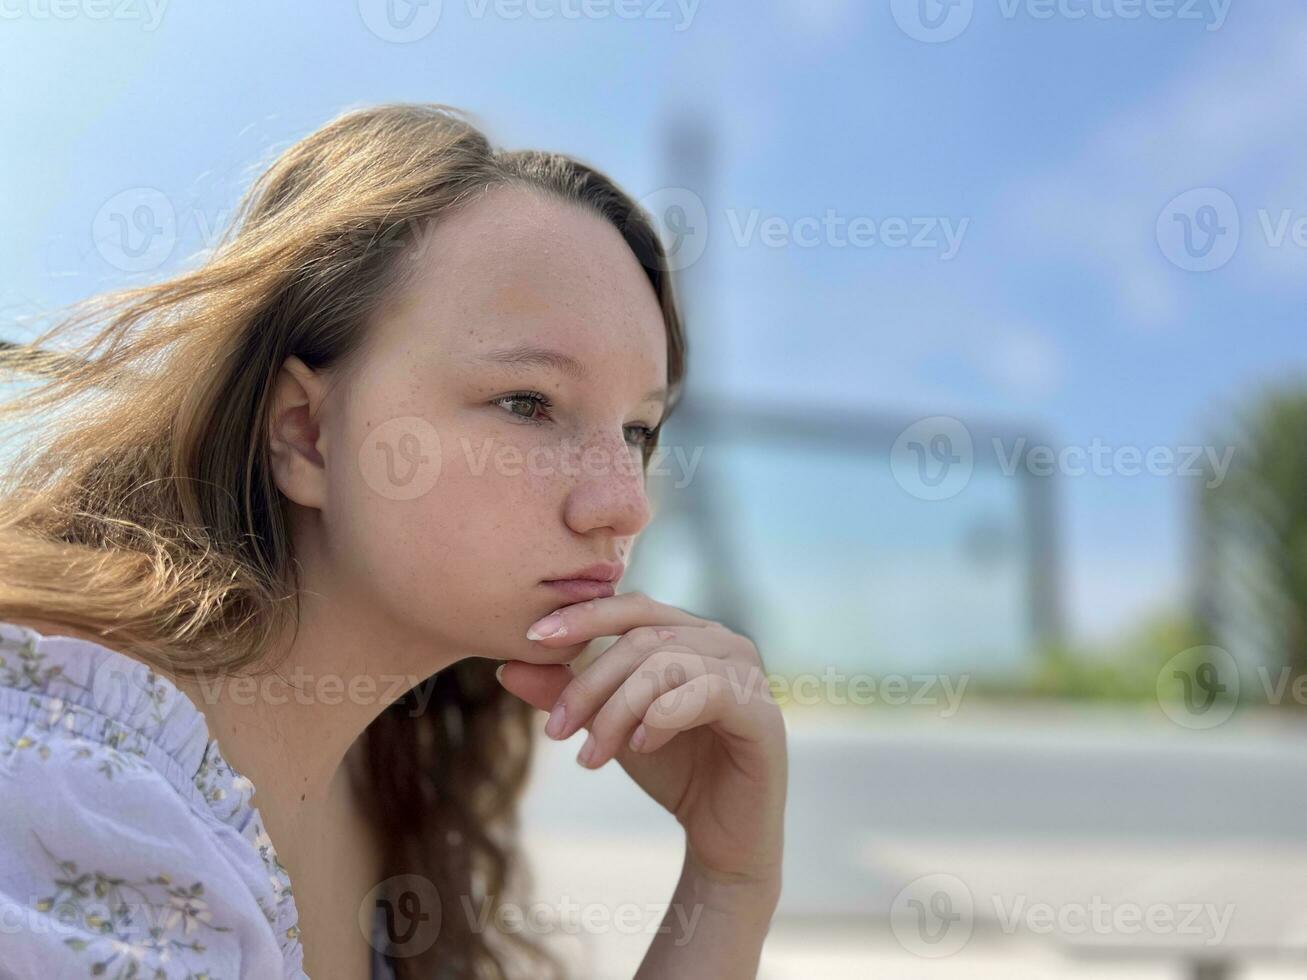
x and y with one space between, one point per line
450 488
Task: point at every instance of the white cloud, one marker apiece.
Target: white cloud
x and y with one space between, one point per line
818 20
1023 360
1232 119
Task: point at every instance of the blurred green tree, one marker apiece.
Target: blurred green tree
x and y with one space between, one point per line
1252 535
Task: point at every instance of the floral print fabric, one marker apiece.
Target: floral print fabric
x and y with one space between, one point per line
129 848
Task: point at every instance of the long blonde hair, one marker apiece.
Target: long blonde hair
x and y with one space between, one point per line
140 505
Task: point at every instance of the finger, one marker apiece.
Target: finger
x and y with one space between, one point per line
711 699
610 616
539 685
664 674
592 686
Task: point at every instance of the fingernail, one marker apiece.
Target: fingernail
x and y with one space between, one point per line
547 628
499 673
587 750
557 720
637 739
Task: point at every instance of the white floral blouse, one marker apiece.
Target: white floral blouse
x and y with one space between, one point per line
129 848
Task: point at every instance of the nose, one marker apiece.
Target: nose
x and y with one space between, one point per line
609 489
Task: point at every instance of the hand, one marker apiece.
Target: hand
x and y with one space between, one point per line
683 705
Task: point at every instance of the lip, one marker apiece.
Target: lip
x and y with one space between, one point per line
603 571
580 589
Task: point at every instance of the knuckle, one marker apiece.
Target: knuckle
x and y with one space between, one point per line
668 662
717 685
601 727
648 676
756 683
663 660
658 663
579 690
745 648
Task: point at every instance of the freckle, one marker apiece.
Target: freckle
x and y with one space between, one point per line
301 797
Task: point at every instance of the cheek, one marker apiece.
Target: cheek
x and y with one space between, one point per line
509 470
461 565
446 518
446 526
493 503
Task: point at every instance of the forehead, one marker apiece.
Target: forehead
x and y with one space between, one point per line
519 266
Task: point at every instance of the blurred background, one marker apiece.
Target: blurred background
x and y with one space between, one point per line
995 437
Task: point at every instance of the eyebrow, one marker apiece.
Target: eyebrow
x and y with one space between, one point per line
529 355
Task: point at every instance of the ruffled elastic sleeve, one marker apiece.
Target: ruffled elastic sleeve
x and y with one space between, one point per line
105 870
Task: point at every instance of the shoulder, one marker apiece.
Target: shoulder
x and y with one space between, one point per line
107 869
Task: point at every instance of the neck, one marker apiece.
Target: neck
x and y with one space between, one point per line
289 730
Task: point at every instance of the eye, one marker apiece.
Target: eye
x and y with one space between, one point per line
533 399
644 433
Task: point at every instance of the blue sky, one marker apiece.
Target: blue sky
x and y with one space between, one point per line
1058 141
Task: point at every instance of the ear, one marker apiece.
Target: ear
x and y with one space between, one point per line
295 439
